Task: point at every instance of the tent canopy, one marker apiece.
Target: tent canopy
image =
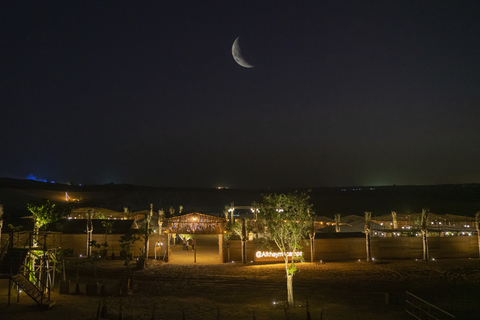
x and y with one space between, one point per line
195 222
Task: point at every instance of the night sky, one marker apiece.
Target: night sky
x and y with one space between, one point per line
342 92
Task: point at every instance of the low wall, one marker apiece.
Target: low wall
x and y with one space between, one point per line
395 248
325 249
235 251
78 243
382 248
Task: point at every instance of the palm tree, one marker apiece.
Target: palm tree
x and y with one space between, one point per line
147 233
368 218
161 216
89 232
337 222
243 238
394 220
424 233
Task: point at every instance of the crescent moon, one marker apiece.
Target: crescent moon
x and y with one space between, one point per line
237 55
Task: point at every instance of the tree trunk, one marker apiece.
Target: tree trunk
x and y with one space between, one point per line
337 223
312 249
160 232
36 229
289 282
147 227
367 228
394 220
89 233
89 247
478 240
290 290
243 251
145 247
311 235
368 246
424 234
147 243
243 237
425 245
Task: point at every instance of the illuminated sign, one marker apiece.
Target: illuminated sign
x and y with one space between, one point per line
272 256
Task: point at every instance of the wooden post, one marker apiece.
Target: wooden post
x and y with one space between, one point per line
9 288
52 282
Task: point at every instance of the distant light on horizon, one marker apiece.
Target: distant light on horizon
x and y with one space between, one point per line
32 177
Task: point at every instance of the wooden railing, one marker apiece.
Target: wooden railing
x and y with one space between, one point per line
422 310
25 239
4 248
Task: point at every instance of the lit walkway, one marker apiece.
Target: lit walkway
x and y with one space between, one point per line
207 251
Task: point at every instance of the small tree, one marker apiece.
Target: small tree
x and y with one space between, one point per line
45 212
241 228
126 243
108 225
286 219
95 255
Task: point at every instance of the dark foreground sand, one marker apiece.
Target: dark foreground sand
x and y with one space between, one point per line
343 290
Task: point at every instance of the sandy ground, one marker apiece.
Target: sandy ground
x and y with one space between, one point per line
343 290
